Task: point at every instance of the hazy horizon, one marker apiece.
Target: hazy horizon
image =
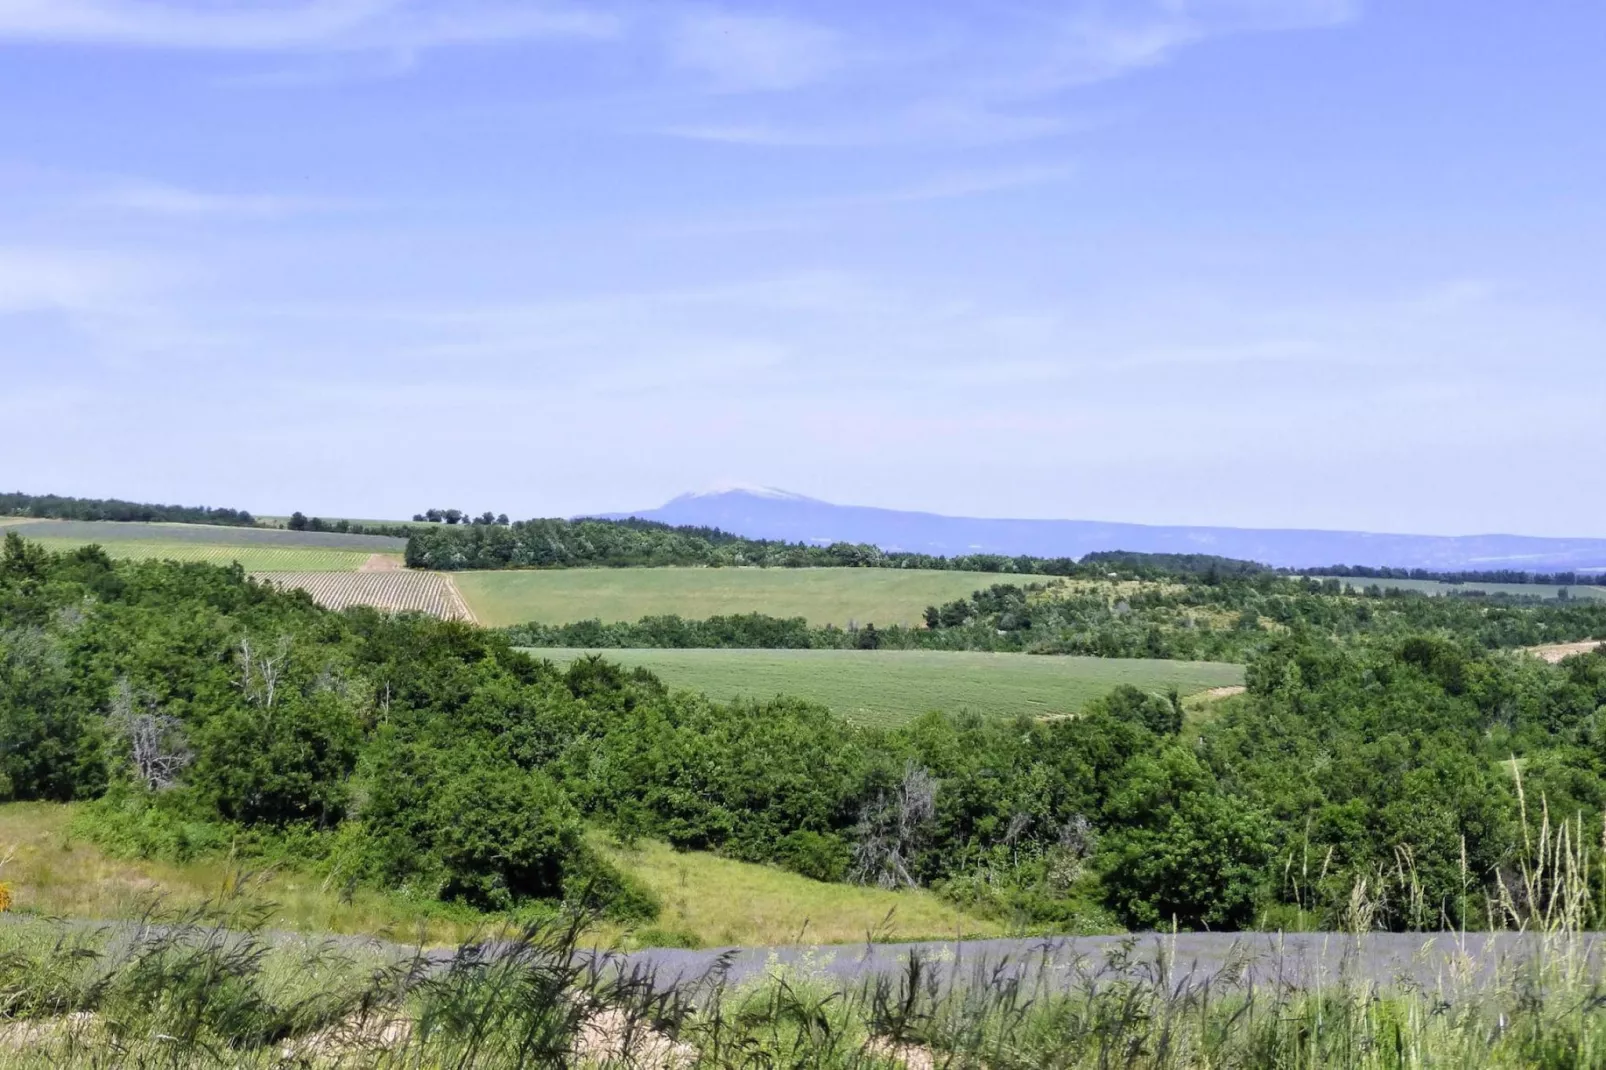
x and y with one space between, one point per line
1313 264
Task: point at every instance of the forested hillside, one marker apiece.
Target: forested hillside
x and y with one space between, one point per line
553 543
205 712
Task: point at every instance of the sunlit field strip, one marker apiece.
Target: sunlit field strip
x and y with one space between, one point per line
251 558
889 687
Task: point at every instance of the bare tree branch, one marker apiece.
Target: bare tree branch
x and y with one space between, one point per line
892 829
155 740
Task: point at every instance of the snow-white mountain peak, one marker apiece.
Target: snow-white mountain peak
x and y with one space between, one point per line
770 493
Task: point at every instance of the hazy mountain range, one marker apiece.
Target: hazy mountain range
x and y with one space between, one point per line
766 513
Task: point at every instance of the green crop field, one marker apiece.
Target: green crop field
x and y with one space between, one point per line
1520 590
888 687
106 532
251 558
822 595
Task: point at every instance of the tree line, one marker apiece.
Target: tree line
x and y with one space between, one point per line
555 543
455 541
457 516
196 710
299 521
56 507
1185 619
1500 575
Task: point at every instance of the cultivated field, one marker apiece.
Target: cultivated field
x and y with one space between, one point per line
822 595
108 532
1519 590
889 687
250 558
395 590
255 549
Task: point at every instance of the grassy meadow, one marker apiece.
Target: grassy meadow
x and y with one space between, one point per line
52 871
821 595
888 687
723 903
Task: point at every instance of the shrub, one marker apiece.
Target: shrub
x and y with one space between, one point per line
820 856
281 763
596 885
502 835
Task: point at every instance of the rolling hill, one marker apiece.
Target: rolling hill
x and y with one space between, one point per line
774 514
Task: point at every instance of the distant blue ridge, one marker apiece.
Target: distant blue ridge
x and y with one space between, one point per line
771 514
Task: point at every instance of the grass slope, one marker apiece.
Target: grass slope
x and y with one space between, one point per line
724 903
54 872
888 687
714 901
251 558
822 595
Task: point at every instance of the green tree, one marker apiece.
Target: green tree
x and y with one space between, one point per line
280 761
1181 850
503 835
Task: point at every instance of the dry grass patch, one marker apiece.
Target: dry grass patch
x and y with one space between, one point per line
725 903
1556 653
54 873
713 901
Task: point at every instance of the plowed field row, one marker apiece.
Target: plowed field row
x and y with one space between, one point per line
395 592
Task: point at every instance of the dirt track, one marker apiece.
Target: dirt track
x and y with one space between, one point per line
1557 652
383 563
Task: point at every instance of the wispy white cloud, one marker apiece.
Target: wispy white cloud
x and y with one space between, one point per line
63 280
972 75
158 199
945 122
1059 47
738 52
804 215
405 25
63 307
974 183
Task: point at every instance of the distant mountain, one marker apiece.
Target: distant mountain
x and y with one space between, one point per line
765 513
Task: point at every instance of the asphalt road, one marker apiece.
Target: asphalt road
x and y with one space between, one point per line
1431 961
1303 959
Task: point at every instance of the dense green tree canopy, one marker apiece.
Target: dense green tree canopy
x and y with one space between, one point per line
414 753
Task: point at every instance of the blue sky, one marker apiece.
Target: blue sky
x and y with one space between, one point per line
1332 263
